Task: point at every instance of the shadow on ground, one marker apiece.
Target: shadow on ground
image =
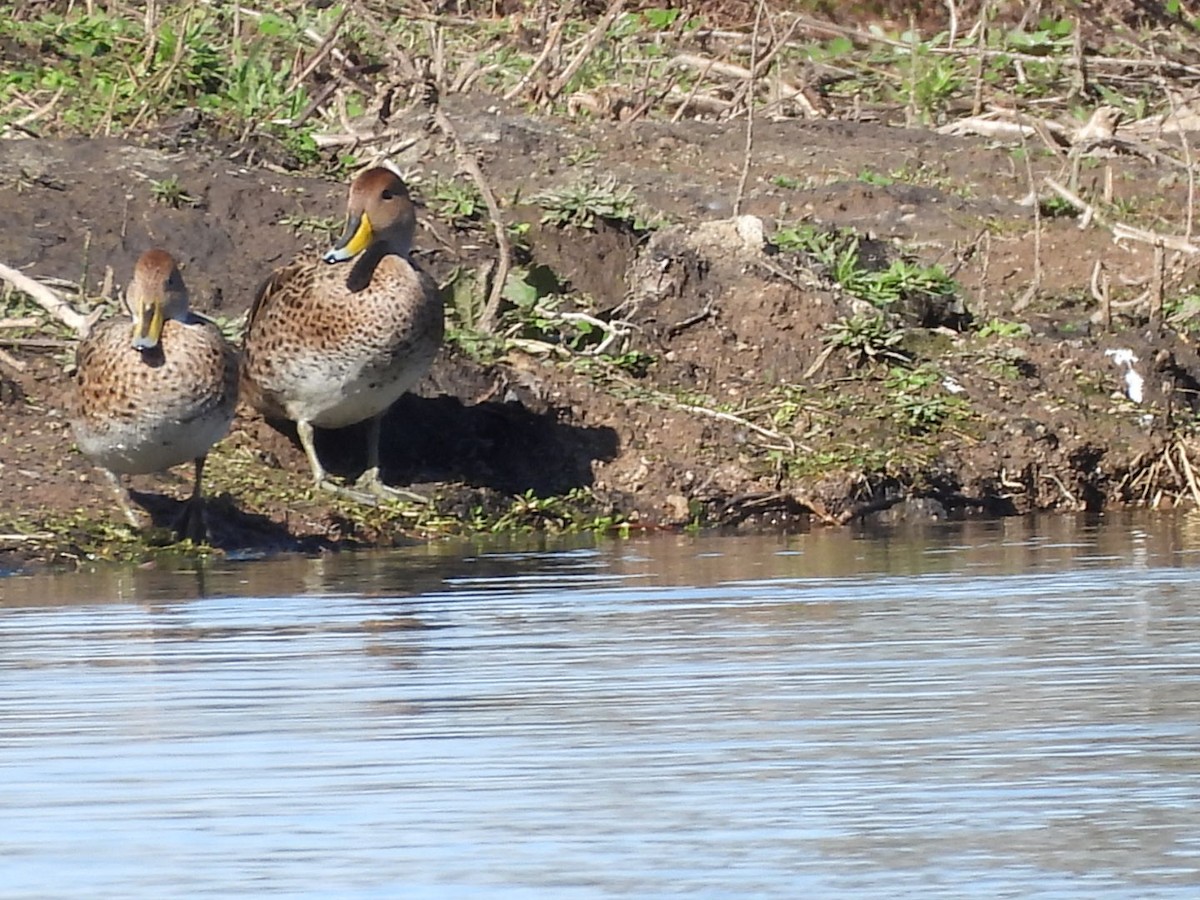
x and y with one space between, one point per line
501 446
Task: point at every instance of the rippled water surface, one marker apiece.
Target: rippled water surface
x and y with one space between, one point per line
990 710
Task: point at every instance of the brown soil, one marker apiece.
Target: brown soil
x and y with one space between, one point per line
720 318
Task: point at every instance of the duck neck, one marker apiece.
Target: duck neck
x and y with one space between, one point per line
363 268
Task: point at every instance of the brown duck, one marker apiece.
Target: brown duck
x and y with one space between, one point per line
328 345
158 395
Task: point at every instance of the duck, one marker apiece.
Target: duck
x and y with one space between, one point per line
156 395
336 339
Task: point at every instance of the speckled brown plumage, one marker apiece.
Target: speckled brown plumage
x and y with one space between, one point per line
160 393
331 345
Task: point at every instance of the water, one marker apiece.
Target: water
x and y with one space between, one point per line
1007 709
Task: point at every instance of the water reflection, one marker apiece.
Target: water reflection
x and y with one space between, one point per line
990 709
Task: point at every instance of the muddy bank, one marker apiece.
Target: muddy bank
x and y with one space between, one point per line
721 401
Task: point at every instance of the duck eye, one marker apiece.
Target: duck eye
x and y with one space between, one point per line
387 194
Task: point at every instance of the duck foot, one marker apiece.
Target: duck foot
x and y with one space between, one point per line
348 493
369 490
192 524
371 482
122 496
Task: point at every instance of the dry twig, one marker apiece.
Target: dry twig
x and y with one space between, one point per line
323 49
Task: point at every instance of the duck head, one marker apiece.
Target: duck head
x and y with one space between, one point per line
379 212
157 293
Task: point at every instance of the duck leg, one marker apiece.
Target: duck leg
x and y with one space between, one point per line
122 498
304 430
321 479
191 525
370 481
369 489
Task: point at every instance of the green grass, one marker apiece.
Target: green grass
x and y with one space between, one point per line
245 68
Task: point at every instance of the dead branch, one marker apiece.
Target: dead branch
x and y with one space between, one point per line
614 331
323 49
31 117
593 40
1121 231
358 138
21 322
704 104
706 66
11 361
50 301
553 39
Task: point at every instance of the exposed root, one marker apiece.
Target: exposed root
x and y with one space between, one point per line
1164 478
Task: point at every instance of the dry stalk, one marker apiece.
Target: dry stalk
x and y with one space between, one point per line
1120 230
763 63
777 439
11 361
952 9
1114 63
1071 498
1187 158
691 95
1100 291
31 117
650 100
1157 288
1079 77
748 151
402 136
706 66
470 165
980 30
1187 471
1036 285
22 322
1176 475
616 330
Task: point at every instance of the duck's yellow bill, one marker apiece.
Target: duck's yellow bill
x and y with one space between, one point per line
356 238
148 326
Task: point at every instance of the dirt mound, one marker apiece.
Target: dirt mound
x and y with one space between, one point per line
732 390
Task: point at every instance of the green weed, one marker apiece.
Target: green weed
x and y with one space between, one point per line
1004 328
866 338
458 201
839 253
787 182
582 202
918 402
170 192
327 227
